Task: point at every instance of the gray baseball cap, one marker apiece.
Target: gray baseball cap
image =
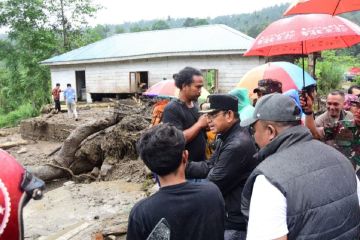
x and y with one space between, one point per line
276 108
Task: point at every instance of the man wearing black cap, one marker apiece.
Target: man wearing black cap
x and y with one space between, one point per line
302 189
231 163
267 86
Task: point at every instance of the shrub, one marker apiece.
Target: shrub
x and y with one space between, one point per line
330 77
13 118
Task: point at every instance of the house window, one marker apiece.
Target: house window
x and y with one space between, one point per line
210 79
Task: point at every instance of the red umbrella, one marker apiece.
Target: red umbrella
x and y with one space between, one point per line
304 34
333 7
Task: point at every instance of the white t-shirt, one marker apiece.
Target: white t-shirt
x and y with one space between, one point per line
267 219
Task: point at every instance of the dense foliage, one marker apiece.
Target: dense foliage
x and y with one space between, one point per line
38 29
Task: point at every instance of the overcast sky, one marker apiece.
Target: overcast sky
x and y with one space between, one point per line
116 12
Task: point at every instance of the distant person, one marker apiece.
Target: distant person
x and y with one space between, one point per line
355 90
267 86
194 211
56 96
302 189
231 163
70 99
184 114
17 188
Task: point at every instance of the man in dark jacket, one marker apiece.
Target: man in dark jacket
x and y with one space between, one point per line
231 163
302 189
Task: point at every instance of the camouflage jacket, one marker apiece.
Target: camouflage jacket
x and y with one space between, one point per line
345 136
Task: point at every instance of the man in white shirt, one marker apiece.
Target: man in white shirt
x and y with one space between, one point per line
302 189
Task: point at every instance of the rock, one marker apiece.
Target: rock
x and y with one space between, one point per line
105 169
95 172
68 183
111 237
22 150
128 179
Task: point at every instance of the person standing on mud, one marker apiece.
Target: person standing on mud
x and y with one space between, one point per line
302 189
56 96
194 211
70 99
184 114
231 163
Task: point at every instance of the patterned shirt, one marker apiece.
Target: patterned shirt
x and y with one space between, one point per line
345 136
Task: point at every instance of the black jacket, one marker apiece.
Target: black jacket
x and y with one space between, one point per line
229 167
318 182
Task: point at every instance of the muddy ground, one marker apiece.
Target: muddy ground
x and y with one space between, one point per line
96 210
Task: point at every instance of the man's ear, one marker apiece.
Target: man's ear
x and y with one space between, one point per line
272 132
185 156
230 115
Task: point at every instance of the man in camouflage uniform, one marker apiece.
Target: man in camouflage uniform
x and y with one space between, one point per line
343 134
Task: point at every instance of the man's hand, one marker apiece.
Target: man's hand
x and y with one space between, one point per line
202 121
306 103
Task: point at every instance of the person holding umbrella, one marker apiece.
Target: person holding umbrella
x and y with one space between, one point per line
344 135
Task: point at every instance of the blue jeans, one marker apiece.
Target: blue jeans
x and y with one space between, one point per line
234 235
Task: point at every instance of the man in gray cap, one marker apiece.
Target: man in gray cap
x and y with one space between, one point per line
302 188
231 163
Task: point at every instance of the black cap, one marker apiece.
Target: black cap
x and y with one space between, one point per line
267 86
274 107
221 102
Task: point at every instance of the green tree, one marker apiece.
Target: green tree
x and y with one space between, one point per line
29 43
138 28
159 25
24 82
191 22
119 29
70 16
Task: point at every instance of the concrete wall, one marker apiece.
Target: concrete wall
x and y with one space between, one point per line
113 77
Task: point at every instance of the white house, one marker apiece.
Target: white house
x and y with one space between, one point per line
119 64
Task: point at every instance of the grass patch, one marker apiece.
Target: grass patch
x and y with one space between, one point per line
13 118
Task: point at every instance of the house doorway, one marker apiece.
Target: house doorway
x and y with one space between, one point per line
80 85
139 81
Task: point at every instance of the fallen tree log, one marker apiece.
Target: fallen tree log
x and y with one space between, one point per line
65 157
8 145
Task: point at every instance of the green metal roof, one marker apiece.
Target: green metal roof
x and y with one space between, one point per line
176 41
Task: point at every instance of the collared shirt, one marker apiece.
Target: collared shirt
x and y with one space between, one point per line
325 119
56 93
70 95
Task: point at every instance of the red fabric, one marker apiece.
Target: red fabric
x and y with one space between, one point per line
311 32
158 112
279 74
162 88
332 7
56 93
11 174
